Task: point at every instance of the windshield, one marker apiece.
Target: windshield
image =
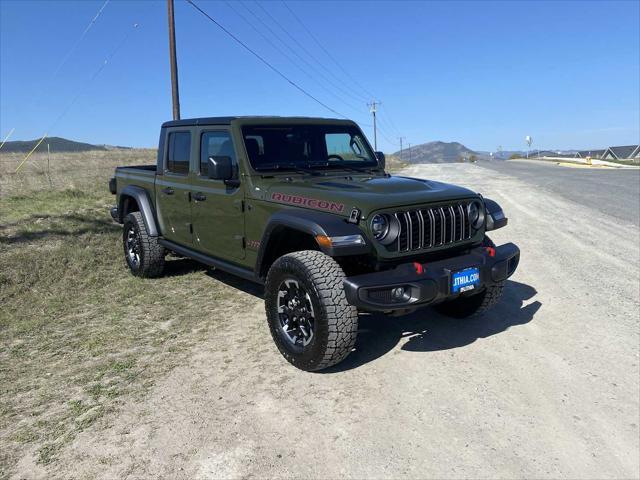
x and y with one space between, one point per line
305 147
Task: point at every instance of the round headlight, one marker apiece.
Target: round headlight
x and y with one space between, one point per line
476 214
385 228
379 226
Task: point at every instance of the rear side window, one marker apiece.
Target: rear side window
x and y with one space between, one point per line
179 152
215 144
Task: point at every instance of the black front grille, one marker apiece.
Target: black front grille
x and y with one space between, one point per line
426 228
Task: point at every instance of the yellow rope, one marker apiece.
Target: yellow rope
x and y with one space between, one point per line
6 138
29 154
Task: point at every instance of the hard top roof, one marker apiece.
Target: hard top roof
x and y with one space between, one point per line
252 120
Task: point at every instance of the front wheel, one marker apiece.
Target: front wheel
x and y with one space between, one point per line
142 252
310 320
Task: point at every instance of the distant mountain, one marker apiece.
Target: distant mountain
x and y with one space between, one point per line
56 144
438 152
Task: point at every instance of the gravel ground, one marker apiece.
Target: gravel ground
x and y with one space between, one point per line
612 191
544 386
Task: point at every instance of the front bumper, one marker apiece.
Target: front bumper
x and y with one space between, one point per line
429 283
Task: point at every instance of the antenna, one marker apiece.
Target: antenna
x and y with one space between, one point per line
373 108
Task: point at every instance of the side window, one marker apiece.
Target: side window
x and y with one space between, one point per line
178 152
216 144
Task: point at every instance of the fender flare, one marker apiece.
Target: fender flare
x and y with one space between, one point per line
312 223
495 216
141 197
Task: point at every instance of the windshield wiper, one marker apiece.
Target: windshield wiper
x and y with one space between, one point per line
352 168
290 166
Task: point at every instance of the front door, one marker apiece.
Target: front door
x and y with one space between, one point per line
173 189
216 209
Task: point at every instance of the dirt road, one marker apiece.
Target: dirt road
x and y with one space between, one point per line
545 386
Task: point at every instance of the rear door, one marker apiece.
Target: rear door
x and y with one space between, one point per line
217 208
173 188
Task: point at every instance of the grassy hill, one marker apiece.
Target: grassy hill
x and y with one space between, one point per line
56 144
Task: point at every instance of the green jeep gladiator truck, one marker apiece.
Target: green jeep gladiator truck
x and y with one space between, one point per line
304 206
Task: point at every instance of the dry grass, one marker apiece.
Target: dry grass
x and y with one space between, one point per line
78 333
78 170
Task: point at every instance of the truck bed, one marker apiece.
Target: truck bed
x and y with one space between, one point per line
139 175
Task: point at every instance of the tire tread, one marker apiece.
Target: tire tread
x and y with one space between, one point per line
341 317
152 260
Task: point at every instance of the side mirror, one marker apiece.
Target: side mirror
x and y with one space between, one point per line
220 168
381 160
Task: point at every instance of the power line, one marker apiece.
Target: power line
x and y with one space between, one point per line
304 60
70 52
276 47
326 51
281 51
355 95
80 92
259 57
384 135
386 119
84 33
315 39
95 74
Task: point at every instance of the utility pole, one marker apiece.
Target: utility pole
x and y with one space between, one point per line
373 108
401 138
409 153
174 64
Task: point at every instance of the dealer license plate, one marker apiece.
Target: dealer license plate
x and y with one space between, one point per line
464 280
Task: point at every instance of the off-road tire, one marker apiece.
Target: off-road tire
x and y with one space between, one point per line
336 322
473 305
152 254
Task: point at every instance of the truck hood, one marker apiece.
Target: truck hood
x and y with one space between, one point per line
340 194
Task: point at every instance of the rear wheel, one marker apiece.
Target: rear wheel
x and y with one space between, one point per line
143 254
472 305
310 320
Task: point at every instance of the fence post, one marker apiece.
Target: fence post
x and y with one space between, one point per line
49 166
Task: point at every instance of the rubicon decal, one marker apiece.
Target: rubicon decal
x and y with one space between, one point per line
307 202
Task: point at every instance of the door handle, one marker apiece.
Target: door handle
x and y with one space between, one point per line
168 191
199 197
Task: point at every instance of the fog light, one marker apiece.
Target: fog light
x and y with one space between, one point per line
400 294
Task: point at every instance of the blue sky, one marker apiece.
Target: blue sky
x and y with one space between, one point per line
481 73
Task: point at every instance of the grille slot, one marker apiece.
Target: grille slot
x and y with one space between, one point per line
432 227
